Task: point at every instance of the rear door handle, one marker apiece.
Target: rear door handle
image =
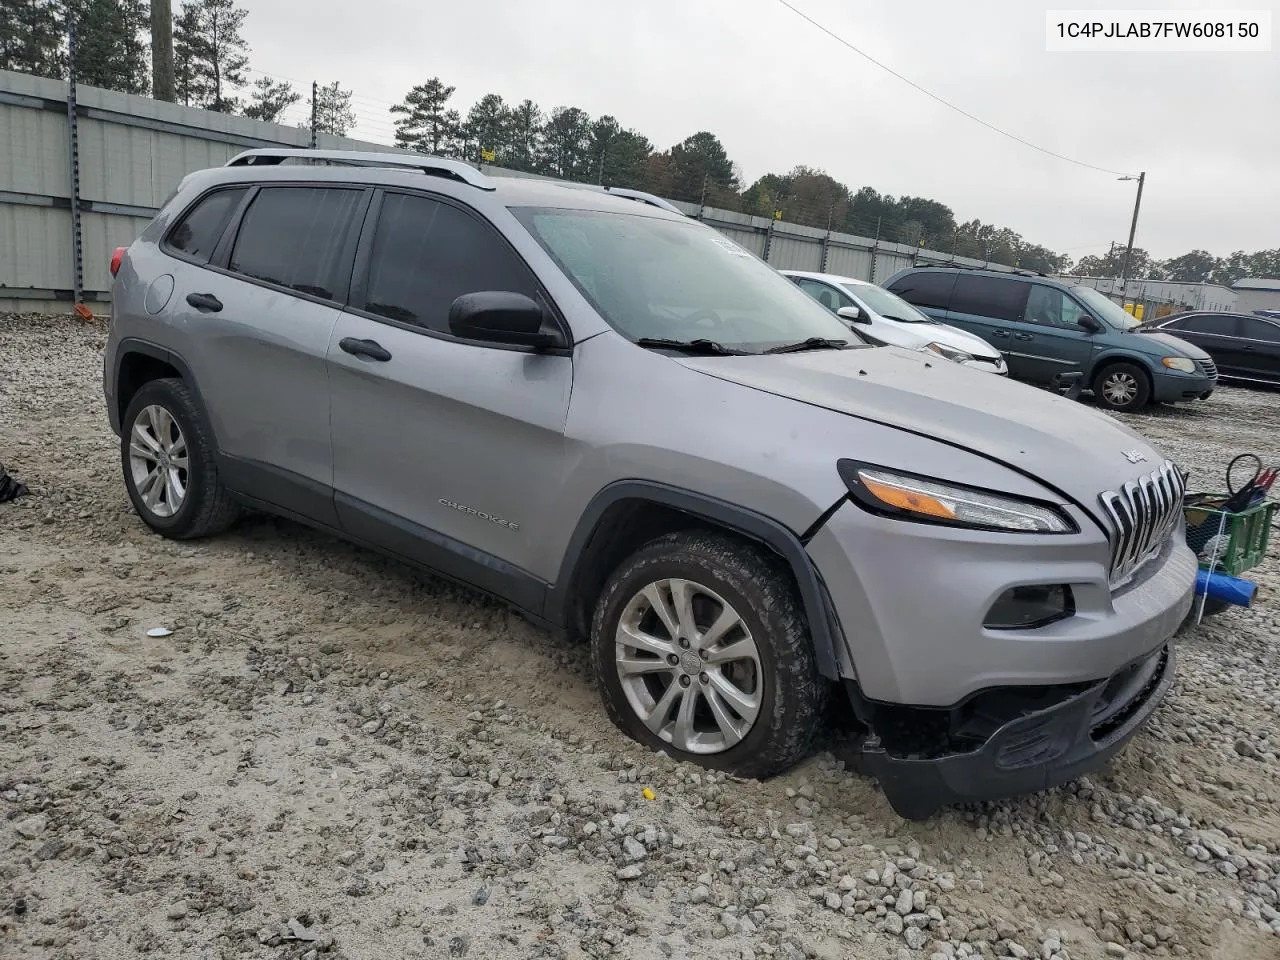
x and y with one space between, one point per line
1023 336
370 349
204 302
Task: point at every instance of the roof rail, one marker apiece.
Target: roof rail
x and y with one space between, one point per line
649 198
432 166
951 265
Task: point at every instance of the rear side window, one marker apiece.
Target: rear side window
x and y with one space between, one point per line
426 254
295 237
198 232
1212 323
925 289
1259 330
989 297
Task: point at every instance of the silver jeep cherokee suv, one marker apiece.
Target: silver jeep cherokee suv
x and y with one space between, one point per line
624 425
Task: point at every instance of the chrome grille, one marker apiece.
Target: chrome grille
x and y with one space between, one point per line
1209 367
1143 514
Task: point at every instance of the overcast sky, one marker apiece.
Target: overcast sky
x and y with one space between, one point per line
780 93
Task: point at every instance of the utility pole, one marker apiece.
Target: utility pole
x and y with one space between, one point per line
1133 227
162 84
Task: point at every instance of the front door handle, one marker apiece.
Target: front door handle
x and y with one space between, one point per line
370 349
1023 336
999 333
204 302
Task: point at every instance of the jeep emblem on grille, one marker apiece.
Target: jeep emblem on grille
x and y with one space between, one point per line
1134 456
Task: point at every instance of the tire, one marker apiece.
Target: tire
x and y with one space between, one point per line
772 699
1129 385
164 413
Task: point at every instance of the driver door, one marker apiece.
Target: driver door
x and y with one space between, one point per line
446 451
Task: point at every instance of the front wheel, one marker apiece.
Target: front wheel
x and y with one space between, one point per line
1123 387
701 649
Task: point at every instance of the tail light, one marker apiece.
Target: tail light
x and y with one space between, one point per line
115 260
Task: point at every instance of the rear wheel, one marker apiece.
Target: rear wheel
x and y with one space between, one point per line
1123 387
169 471
701 649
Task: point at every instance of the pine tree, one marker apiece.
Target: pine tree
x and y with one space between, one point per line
31 37
110 51
566 144
270 99
525 132
333 110
489 129
209 54
424 123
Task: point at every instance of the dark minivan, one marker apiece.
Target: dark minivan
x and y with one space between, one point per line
1044 327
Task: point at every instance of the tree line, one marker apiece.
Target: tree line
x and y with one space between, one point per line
211 63
113 51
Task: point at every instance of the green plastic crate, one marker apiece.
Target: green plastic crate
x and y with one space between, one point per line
1247 532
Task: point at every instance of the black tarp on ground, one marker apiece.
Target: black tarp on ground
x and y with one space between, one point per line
10 488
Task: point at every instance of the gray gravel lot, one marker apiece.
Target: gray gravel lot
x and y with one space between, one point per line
332 757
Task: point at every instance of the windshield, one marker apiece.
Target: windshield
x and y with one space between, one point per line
1105 309
654 278
886 304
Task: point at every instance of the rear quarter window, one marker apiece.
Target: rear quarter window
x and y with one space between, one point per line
925 289
199 230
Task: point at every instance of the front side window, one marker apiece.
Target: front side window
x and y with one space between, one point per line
1104 309
294 237
198 232
426 254
989 297
650 277
1050 307
824 293
1214 324
888 305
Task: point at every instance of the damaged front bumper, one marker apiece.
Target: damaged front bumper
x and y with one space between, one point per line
1018 747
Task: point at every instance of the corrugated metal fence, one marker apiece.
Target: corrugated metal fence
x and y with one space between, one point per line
132 151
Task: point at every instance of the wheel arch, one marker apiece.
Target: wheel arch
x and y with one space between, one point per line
138 362
628 513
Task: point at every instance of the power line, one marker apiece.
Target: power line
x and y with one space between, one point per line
946 103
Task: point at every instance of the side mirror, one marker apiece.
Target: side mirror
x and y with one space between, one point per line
852 314
498 316
1090 324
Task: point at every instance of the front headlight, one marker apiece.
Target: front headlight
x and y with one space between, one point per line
894 494
1180 363
959 356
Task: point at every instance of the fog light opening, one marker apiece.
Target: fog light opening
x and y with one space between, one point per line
1025 608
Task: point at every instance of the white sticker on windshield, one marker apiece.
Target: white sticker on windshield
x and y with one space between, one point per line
732 247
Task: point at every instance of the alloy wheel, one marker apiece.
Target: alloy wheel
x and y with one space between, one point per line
1119 388
688 666
158 460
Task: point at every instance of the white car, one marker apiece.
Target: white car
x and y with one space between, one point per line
885 318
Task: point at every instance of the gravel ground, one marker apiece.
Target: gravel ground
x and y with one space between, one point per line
331 757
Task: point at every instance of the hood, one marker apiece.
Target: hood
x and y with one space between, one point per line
918 334
1071 448
1175 345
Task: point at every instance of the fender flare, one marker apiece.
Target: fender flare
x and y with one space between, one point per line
825 633
130 345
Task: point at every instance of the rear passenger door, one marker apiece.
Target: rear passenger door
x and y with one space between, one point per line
446 451
256 322
1260 348
990 307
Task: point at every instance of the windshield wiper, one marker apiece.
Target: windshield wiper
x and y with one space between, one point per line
813 343
691 346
